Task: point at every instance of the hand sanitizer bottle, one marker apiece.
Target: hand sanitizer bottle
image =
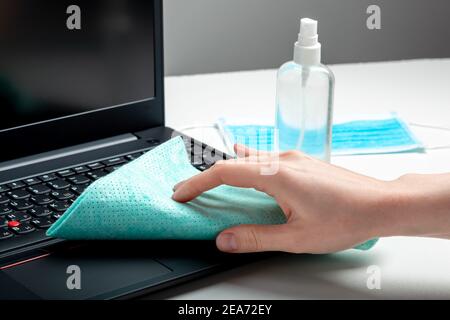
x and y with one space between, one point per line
305 98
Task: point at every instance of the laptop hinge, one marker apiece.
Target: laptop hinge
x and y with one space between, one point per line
60 153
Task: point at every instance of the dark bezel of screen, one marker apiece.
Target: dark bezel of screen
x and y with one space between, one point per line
80 128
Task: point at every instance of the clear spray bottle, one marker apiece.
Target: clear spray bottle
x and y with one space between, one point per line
304 103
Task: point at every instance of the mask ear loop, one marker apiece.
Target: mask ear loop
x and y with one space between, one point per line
433 127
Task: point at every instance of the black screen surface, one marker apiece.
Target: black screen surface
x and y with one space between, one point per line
56 61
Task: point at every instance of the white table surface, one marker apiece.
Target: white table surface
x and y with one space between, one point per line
410 267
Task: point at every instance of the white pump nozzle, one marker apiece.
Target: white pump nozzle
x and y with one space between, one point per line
308 32
307 49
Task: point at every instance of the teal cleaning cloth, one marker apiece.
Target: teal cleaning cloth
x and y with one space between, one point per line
134 203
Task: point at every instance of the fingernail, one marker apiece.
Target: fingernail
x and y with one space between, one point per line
178 194
175 187
226 242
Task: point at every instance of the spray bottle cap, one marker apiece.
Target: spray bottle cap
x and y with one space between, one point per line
307 50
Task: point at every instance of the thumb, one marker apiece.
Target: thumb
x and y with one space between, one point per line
255 238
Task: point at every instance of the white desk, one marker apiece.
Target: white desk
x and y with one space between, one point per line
410 267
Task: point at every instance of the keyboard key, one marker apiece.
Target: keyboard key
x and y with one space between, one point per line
4 209
18 216
56 216
197 151
3 222
20 205
79 189
59 184
210 160
42 223
97 174
31 181
40 189
16 185
79 179
18 194
40 212
112 169
114 161
41 199
202 167
96 165
62 195
3 199
5 234
133 156
23 229
197 162
59 206
65 173
48 177
4 188
81 169
189 142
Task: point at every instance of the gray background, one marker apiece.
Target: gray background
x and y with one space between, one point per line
203 36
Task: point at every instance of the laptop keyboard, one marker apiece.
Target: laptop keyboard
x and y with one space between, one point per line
30 206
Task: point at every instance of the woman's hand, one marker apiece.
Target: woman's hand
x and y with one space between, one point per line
328 208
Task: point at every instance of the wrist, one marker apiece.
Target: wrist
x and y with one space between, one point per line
413 205
392 219
377 215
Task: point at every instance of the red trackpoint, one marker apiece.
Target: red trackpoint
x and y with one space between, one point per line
13 224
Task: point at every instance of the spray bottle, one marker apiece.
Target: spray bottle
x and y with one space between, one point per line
304 103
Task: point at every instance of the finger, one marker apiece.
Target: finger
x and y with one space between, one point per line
255 238
251 159
244 151
266 158
230 172
175 187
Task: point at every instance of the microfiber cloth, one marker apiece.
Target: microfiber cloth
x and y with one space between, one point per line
134 203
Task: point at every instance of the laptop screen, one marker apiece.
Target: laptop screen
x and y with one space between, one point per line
61 58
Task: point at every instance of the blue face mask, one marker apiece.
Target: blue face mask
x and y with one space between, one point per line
388 134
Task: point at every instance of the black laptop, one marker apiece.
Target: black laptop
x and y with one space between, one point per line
81 94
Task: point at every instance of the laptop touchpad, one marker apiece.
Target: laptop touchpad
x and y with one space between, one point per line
83 273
